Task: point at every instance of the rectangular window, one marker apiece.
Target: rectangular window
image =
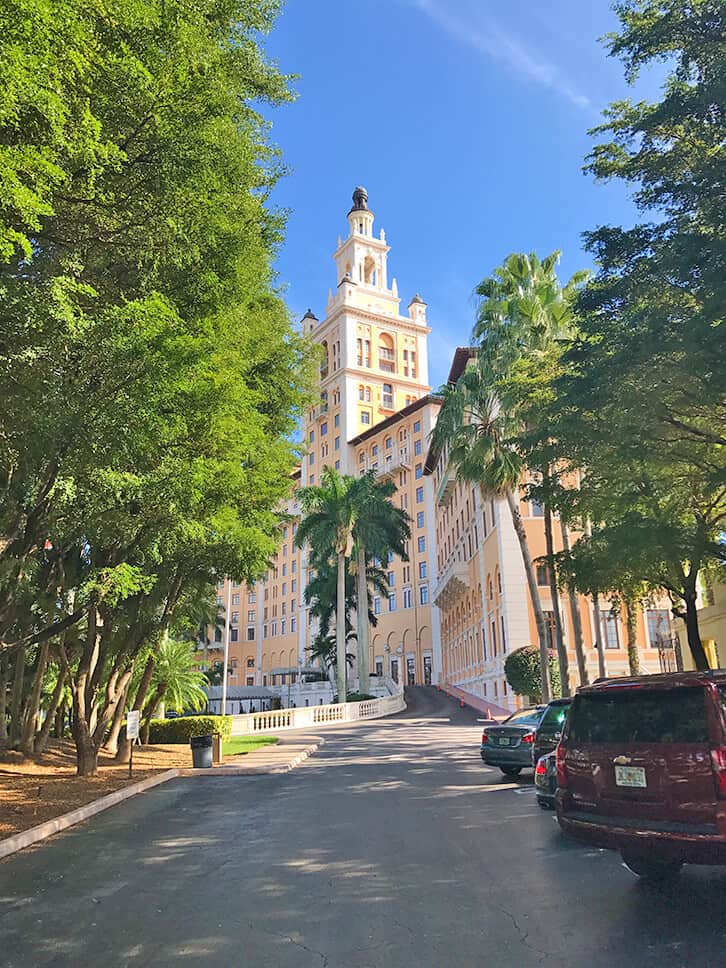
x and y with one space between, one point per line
407 598
391 579
504 637
419 519
610 631
337 443
250 633
543 575
273 630
377 605
282 626
419 495
392 603
235 618
658 625
251 615
323 428
537 509
379 667
419 471
417 447
250 680
284 569
235 599
311 436
421 543
365 417
293 624
417 427
234 635
294 567
422 569
293 585
311 459
423 594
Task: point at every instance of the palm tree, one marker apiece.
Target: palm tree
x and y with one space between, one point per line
479 435
380 529
175 679
524 320
327 527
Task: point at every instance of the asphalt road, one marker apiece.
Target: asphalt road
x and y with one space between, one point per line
393 846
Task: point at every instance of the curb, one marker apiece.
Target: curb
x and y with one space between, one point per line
11 845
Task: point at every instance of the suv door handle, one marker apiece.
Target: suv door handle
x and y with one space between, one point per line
622 760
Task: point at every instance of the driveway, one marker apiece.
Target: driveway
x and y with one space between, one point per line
392 846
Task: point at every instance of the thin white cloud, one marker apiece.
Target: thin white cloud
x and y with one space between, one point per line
482 33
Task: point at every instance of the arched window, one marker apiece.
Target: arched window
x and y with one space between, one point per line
386 353
388 443
324 361
387 396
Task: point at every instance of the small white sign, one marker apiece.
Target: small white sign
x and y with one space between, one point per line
133 717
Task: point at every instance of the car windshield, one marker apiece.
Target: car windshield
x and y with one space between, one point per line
640 716
554 719
526 717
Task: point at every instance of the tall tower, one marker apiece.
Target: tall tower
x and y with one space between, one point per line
375 359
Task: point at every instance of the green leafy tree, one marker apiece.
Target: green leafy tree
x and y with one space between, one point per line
524 673
641 404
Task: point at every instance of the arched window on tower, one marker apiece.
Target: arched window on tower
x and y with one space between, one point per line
324 361
386 353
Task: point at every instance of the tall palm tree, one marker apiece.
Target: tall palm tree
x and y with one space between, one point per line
524 320
479 436
380 529
327 527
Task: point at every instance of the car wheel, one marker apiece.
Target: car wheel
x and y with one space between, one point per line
650 867
511 770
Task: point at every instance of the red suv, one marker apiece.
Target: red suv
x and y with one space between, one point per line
641 768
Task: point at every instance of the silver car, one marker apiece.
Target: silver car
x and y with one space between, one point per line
508 745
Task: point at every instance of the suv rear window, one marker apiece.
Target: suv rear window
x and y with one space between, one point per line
640 716
554 719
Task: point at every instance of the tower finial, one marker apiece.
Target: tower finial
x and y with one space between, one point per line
360 200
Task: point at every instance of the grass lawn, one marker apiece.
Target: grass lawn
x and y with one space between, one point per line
246 744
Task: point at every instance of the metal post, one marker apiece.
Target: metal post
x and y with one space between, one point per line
226 647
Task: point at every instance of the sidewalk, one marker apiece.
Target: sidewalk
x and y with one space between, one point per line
276 758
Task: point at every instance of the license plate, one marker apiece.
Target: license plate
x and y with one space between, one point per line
504 741
630 776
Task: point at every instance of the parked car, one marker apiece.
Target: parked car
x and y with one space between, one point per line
545 780
508 745
641 768
549 732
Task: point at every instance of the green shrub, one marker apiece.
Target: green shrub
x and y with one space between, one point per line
358 696
182 728
523 674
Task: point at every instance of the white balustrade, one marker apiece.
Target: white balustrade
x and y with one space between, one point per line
303 717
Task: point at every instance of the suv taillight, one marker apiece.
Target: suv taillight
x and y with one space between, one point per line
484 738
561 768
718 758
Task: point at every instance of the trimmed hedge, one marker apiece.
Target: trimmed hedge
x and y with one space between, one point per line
182 728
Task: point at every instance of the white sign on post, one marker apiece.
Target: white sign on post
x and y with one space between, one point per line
133 717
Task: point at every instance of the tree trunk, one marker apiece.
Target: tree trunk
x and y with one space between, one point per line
599 644
60 720
17 695
151 710
111 744
86 752
4 678
124 746
340 664
43 735
364 682
533 593
562 657
631 627
700 659
576 617
32 707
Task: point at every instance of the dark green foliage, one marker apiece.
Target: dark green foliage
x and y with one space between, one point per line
182 728
524 674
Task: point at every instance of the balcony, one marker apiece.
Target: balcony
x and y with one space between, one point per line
386 365
445 489
454 582
394 460
323 371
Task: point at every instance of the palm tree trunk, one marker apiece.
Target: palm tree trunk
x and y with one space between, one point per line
533 593
41 740
364 683
340 670
555 595
111 744
124 744
631 625
599 644
576 617
4 677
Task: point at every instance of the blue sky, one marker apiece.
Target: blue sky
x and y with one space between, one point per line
467 122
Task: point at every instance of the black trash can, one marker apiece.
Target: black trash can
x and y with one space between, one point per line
201 751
